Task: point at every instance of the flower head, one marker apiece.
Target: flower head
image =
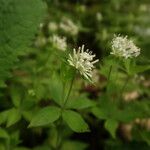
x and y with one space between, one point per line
59 42
68 26
83 62
52 26
99 16
122 47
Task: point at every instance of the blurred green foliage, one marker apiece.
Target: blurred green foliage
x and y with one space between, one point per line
35 76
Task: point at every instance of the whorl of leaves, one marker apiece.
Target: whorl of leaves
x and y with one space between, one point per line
19 20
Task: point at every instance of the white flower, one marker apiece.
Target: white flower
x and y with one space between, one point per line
99 16
122 47
83 62
41 25
59 42
68 26
52 26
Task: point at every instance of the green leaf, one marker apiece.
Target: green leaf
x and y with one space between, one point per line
56 90
21 148
80 103
74 145
145 135
3 116
3 134
111 126
99 113
15 137
16 95
139 69
19 22
130 111
14 115
75 121
133 110
2 147
132 68
45 116
109 62
43 147
28 115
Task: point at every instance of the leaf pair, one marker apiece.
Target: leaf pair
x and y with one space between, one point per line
10 116
50 114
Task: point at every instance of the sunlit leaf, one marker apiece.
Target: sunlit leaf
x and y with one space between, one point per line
75 121
45 116
111 126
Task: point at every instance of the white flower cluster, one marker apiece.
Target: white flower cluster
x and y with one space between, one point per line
83 62
99 16
122 47
68 26
59 42
52 26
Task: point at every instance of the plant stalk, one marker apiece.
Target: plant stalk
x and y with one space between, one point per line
59 130
123 87
109 75
70 88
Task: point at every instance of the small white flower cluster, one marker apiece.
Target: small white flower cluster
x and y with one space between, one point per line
53 26
59 42
122 47
83 62
68 26
99 16
143 32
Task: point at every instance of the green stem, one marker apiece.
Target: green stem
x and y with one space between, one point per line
108 80
63 92
59 129
8 144
123 87
70 88
109 74
59 134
